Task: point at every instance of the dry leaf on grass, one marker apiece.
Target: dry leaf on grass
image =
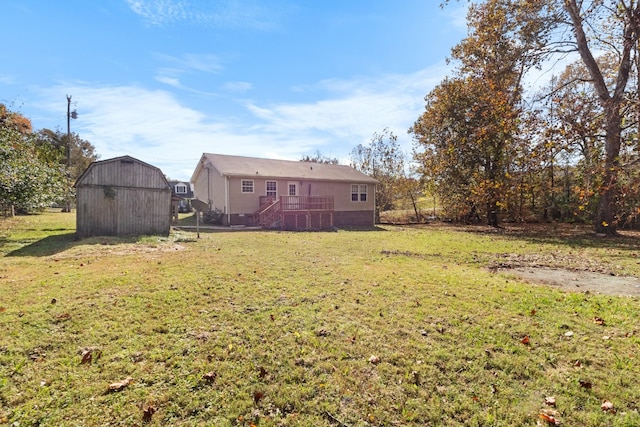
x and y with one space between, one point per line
120 385
210 377
89 355
549 419
585 384
374 360
607 406
263 372
598 321
550 401
147 413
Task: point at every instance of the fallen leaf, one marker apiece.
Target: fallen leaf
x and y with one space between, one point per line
550 419
258 396
607 406
148 412
2 309
550 401
598 321
88 355
263 372
210 376
533 312
525 340
374 360
585 384
120 385
63 317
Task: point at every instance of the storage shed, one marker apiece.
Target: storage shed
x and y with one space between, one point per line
122 196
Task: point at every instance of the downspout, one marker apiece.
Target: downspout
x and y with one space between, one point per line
374 205
227 208
209 201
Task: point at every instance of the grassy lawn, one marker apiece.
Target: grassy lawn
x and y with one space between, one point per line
394 327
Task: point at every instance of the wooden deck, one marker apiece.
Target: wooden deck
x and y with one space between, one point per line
296 213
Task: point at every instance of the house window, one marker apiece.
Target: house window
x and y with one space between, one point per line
358 192
247 186
292 189
181 189
272 188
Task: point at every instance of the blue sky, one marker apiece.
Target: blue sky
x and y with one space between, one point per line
166 80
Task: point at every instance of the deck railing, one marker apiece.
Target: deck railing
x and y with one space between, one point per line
306 203
272 212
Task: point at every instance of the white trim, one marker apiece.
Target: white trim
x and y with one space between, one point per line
253 186
297 188
266 187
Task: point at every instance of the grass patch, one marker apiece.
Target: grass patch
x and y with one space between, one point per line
272 328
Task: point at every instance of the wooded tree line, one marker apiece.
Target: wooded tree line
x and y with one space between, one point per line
494 149
33 165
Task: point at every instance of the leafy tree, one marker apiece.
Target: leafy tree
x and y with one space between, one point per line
13 120
318 157
82 151
619 33
33 168
383 160
28 182
469 129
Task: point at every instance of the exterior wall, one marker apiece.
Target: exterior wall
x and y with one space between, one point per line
209 187
246 203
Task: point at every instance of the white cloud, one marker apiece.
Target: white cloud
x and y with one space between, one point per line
256 14
238 86
154 126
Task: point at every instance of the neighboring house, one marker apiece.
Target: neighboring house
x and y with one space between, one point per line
122 196
284 194
183 194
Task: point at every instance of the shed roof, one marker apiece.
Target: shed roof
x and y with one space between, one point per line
88 177
240 166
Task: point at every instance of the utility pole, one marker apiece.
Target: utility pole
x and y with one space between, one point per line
70 115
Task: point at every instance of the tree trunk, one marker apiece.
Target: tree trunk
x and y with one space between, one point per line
606 219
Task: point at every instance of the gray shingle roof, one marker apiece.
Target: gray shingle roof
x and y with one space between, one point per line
271 168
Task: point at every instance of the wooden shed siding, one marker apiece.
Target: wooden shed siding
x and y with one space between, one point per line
122 197
130 211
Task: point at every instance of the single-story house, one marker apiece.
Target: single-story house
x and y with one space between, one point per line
181 195
292 195
122 196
